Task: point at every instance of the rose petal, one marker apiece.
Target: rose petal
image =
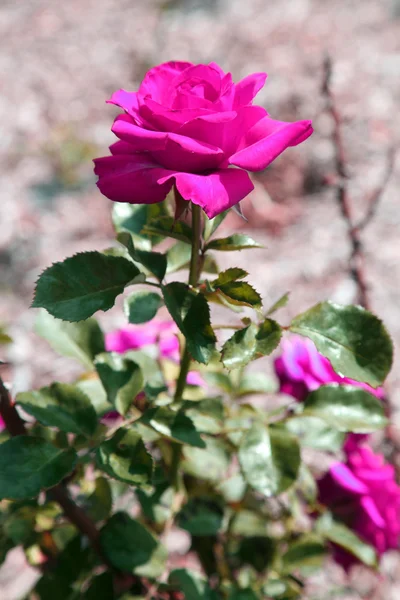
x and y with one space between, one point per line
372 511
342 475
141 139
166 119
224 129
128 101
186 154
131 178
159 80
248 88
215 192
121 147
266 140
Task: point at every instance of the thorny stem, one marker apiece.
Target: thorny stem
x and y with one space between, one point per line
357 257
194 274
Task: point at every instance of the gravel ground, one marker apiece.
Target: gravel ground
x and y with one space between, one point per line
60 61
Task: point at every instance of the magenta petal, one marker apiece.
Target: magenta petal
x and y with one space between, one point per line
248 88
215 192
166 119
159 80
186 154
372 511
131 178
121 147
224 129
342 475
128 101
140 139
266 140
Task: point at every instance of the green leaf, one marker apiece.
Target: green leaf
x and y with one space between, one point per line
191 313
240 348
131 547
250 343
209 463
83 340
210 265
306 552
20 525
341 535
257 551
243 594
95 391
125 457
354 340
201 516
142 306
211 225
207 414
133 217
237 241
178 256
61 405
193 585
232 274
157 506
29 465
122 379
268 337
247 523
313 432
101 588
346 407
269 459
220 380
174 425
283 300
4 337
240 293
167 226
154 262
99 503
255 383
75 289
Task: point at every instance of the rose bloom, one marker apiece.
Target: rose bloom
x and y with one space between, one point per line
301 369
362 492
191 126
162 334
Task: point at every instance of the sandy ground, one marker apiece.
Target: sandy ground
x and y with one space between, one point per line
60 61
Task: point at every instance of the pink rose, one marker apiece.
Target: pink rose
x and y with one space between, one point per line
362 492
162 334
301 369
133 337
190 125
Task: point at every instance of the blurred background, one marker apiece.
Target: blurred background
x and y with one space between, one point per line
59 62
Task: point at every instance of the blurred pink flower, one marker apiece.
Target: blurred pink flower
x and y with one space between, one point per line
301 369
2 424
187 125
362 492
155 332
162 334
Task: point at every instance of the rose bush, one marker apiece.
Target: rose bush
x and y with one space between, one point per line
105 504
163 335
363 493
192 126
